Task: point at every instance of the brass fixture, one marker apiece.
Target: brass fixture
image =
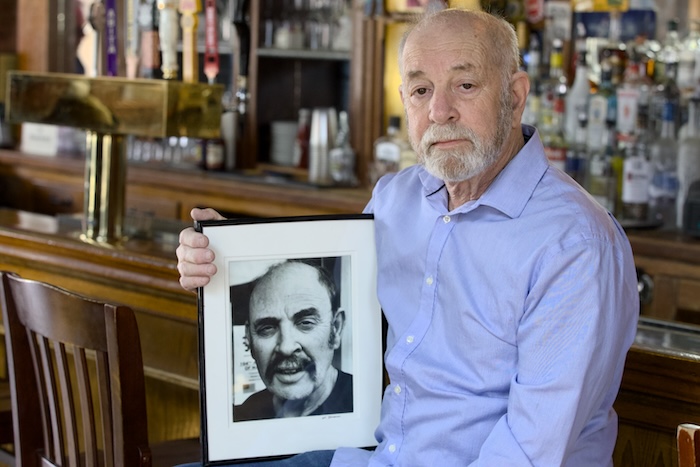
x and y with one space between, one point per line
109 108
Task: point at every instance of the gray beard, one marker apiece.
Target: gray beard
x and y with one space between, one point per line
457 165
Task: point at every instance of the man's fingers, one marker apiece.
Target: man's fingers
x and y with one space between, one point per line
193 283
194 258
207 214
191 238
190 270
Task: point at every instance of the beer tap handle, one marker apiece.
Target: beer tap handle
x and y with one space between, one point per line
189 21
96 19
133 39
243 30
168 34
112 47
211 36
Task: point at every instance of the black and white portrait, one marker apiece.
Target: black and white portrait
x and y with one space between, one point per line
292 351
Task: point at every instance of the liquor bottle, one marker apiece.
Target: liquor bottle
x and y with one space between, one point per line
601 183
577 153
614 51
616 156
665 97
636 177
688 158
580 91
531 114
387 150
633 97
342 156
688 65
663 154
554 108
301 142
522 31
214 153
670 50
602 108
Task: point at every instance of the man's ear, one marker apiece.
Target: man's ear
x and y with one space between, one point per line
337 327
249 341
520 88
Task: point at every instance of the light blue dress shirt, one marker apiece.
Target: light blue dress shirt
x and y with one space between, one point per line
509 321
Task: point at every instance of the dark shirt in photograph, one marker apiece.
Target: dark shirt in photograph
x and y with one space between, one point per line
259 406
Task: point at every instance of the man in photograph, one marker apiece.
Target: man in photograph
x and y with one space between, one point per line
294 327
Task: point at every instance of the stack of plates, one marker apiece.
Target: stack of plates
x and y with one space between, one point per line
282 136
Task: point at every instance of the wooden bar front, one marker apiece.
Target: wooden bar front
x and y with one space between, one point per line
143 276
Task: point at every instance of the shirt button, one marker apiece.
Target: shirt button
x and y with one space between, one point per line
429 280
392 448
409 339
446 219
397 389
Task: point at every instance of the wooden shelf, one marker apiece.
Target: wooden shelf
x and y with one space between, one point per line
303 54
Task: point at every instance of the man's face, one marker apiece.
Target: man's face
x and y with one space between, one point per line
292 331
458 112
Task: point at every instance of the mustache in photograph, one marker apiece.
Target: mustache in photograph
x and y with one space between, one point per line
290 364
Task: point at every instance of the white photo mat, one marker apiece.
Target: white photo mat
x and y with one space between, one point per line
347 237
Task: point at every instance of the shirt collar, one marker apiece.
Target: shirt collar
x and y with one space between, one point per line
513 186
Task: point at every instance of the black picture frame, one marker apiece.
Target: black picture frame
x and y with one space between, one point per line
344 247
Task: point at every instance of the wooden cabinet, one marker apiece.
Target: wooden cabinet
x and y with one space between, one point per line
284 80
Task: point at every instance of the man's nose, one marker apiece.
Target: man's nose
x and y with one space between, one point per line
442 108
288 343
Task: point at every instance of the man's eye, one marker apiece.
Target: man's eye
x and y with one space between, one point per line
421 91
265 331
307 324
467 85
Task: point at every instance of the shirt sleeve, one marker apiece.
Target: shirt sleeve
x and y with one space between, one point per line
579 321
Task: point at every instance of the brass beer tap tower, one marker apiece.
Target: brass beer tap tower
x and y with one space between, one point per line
109 109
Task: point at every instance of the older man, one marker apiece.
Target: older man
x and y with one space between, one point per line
294 328
510 294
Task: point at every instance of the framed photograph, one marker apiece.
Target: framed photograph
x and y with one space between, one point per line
290 337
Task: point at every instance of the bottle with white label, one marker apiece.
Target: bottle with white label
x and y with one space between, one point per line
601 178
387 151
636 176
663 155
688 158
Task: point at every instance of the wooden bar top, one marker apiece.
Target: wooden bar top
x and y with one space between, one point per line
665 244
247 193
54 244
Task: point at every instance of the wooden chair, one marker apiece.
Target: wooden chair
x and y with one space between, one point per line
7 457
59 420
688 438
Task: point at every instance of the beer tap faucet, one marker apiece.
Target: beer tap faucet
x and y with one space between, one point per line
243 30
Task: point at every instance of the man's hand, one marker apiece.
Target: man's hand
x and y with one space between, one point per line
194 258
